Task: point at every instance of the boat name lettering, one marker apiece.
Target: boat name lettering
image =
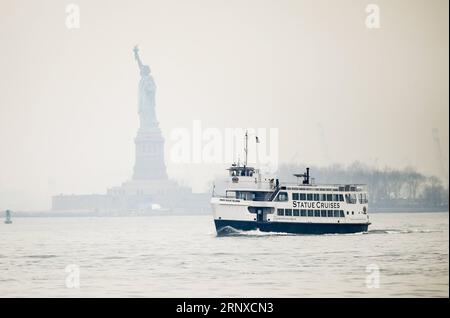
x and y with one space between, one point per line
316 205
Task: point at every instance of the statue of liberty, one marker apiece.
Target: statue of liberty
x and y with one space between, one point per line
146 98
149 142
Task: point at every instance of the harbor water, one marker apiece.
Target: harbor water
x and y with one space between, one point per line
402 255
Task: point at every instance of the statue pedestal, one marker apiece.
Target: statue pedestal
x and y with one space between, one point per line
149 155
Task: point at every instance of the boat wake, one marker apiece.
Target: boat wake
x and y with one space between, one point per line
398 231
231 231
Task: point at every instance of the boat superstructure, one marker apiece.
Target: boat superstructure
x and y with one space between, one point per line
252 202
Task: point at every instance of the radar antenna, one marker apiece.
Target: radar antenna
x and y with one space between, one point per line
305 176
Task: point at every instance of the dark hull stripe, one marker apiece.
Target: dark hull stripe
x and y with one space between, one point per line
287 227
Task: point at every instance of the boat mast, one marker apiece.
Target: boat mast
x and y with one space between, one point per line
246 147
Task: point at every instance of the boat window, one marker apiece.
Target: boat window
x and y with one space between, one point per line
296 212
316 197
244 195
310 213
330 213
282 196
323 197
335 197
280 211
342 214
363 198
317 213
350 198
230 194
288 212
302 196
261 196
336 213
329 197
295 196
302 212
309 197
323 213
341 198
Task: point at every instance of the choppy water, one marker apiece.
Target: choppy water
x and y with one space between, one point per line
181 256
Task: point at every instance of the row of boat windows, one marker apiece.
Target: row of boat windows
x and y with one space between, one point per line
317 197
283 196
314 213
349 198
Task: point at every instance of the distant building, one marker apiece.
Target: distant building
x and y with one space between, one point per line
150 189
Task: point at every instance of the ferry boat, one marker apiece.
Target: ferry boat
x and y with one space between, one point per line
252 202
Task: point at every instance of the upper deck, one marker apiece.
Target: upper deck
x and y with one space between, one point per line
249 178
325 187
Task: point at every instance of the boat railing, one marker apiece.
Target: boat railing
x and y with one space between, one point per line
221 196
267 198
354 187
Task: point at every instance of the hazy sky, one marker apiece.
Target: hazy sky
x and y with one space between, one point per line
68 101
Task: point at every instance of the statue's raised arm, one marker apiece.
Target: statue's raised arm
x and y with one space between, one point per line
144 69
136 56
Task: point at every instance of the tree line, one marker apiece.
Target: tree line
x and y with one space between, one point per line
388 187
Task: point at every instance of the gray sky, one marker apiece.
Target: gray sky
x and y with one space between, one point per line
68 102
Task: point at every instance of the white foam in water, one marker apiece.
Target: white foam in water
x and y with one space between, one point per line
398 231
231 231
342 234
